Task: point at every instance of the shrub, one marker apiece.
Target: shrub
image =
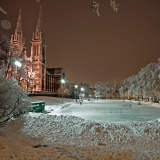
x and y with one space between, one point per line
13 101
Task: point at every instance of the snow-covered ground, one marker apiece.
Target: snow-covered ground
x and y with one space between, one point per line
43 136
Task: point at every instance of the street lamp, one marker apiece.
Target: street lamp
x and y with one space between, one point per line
18 64
82 89
76 86
81 96
62 82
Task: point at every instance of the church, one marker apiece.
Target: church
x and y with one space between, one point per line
37 77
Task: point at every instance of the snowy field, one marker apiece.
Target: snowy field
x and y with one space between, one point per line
37 136
108 111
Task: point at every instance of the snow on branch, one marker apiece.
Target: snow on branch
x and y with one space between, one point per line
13 101
3 11
95 7
114 5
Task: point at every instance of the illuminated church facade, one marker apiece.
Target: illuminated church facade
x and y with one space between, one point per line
39 77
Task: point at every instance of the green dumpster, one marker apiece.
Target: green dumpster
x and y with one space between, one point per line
38 106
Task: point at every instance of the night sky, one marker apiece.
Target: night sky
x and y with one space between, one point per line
111 47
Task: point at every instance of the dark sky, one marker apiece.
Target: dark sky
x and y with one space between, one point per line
111 47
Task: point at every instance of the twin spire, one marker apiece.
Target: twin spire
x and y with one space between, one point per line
38 35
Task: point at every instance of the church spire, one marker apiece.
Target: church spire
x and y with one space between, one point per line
39 34
19 24
17 38
38 54
39 22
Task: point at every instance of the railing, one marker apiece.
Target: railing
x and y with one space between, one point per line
40 93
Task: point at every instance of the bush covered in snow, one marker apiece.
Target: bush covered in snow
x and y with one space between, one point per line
13 101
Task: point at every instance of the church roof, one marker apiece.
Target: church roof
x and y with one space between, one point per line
55 71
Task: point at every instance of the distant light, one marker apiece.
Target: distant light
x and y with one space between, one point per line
62 81
5 24
17 63
82 89
76 86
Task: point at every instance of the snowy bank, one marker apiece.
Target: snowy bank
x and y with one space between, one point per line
141 138
72 138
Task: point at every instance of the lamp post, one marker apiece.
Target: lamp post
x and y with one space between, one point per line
76 86
31 79
62 82
17 64
82 89
81 96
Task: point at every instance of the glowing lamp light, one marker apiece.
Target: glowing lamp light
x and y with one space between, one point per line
62 81
76 86
18 64
82 89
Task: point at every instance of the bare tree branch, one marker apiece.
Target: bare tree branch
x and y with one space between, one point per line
95 7
2 10
114 5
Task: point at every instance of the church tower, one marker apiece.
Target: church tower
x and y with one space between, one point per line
17 43
17 39
38 55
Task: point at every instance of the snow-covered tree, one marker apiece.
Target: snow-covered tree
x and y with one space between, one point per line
9 53
110 89
4 48
104 90
13 101
143 85
100 89
86 89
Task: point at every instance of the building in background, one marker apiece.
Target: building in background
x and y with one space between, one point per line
37 77
38 55
53 78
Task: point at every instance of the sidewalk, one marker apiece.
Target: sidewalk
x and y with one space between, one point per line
143 102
